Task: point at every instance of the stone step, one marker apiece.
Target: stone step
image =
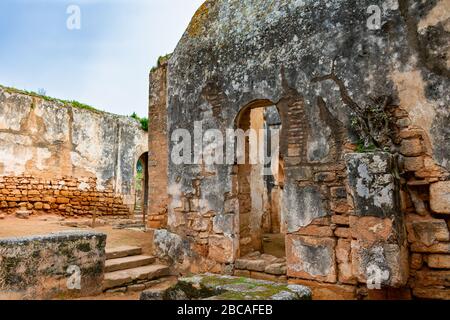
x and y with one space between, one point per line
112 265
133 221
121 252
130 226
126 277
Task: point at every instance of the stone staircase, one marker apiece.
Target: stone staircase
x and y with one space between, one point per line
135 222
126 269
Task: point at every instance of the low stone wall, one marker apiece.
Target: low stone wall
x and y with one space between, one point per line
59 265
66 151
66 196
261 266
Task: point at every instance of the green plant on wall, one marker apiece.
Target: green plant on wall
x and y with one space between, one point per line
161 61
142 121
373 125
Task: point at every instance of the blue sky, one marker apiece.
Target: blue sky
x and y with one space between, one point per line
104 64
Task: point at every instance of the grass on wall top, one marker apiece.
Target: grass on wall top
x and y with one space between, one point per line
73 103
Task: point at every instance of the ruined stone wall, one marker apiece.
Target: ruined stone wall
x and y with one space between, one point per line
60 265
425 201
62 159
345 212
65 196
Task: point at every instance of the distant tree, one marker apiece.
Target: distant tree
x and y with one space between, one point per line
42 92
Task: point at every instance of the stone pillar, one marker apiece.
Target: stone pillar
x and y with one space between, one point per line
158 149
379 251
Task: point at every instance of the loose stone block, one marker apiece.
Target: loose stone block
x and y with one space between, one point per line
439 261
327 291
338 192
372 184
224 224
221 249
416 261
428 278
343 258
169 246
305 204
384 263
23 214
427 231
276 269
267 276
252 265
413 163
311 258
314 230
340 207
441 247
38 205
432 293
340 220
343 233
371 229
136 288
411 147
440 197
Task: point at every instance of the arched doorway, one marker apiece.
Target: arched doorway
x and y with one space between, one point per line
141 187
260 181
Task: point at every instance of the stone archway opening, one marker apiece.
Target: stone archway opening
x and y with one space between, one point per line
261 181
141 186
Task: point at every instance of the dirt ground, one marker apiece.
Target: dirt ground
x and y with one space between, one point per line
274 244
41 225
114 296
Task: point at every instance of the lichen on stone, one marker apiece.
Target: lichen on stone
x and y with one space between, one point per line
222 287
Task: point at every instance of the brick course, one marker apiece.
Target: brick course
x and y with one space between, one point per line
66 196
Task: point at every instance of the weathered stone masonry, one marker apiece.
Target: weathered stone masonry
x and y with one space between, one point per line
59 265
346 213
158 148
57 158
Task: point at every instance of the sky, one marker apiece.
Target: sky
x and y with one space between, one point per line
105 63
